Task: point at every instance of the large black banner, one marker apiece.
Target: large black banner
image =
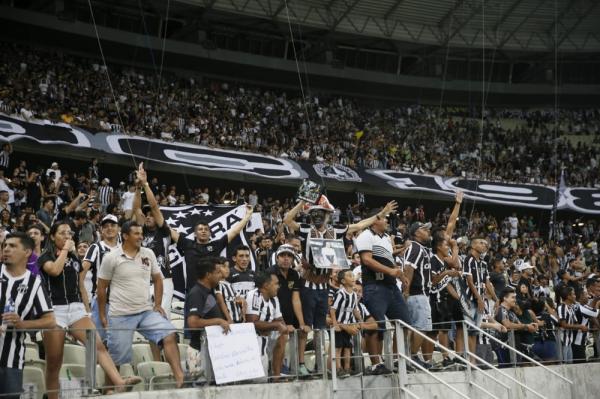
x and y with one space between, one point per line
267 169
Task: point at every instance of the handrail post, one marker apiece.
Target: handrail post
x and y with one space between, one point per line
559 345
318 342
333 364
293 360
208 371
357 361
512 343
90 361
402 374
388 349
465 333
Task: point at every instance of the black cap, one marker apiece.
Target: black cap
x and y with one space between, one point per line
418 225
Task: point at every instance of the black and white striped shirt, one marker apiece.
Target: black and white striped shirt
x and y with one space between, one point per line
266 310
344 304
4 159
235 311
419 258
308 232
477 269
31 301
94 255
364 312
104 194
567 313
583 313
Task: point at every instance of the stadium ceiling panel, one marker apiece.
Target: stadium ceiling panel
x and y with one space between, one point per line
507 25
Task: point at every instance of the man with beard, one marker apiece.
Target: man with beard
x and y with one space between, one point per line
313 292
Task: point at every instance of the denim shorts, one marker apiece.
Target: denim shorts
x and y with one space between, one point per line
385 300
152 325
420 312
96 318
314 307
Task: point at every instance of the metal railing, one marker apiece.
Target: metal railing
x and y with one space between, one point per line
89 384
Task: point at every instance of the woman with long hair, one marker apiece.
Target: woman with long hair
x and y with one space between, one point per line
60 267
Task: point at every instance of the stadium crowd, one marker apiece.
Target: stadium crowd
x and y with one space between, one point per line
447 141
79 253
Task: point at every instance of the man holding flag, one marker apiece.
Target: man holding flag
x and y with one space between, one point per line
202 246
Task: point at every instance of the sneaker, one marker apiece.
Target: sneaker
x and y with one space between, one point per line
380 369
343 373
303 371
425 365
447 363
459 363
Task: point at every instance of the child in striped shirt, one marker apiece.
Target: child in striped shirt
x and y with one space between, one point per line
345 315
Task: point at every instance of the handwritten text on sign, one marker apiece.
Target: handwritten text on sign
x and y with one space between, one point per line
235 356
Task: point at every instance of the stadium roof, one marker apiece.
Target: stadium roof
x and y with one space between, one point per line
509 25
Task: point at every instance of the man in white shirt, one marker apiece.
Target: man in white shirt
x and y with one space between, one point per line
127 271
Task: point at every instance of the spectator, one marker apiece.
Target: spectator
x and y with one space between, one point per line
105 194
263 309
478 282
313 294
232 306
5 157
381 294
46 213
584 314
346 318
60 268
202 308
202 246
445 306
289 290
92 260
417 271
241 276
509 319
33 310
127 270
37 234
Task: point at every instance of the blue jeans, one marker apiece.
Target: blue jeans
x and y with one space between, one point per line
11 383
96 318
152 325
385 300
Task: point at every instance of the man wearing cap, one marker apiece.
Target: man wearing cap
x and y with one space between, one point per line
526 269
379 275
314 290
54 172
289 287
88 278
417 271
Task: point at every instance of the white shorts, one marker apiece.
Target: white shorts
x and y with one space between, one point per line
67 315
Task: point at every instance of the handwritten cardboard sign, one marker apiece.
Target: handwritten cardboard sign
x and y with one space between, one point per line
234 356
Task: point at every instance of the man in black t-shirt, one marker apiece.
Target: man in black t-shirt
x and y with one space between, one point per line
202 246
201 304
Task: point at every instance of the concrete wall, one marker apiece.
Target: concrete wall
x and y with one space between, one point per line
586 384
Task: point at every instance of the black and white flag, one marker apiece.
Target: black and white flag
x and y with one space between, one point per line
220 219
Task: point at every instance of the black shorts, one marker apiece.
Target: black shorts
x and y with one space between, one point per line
343 339
444 311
